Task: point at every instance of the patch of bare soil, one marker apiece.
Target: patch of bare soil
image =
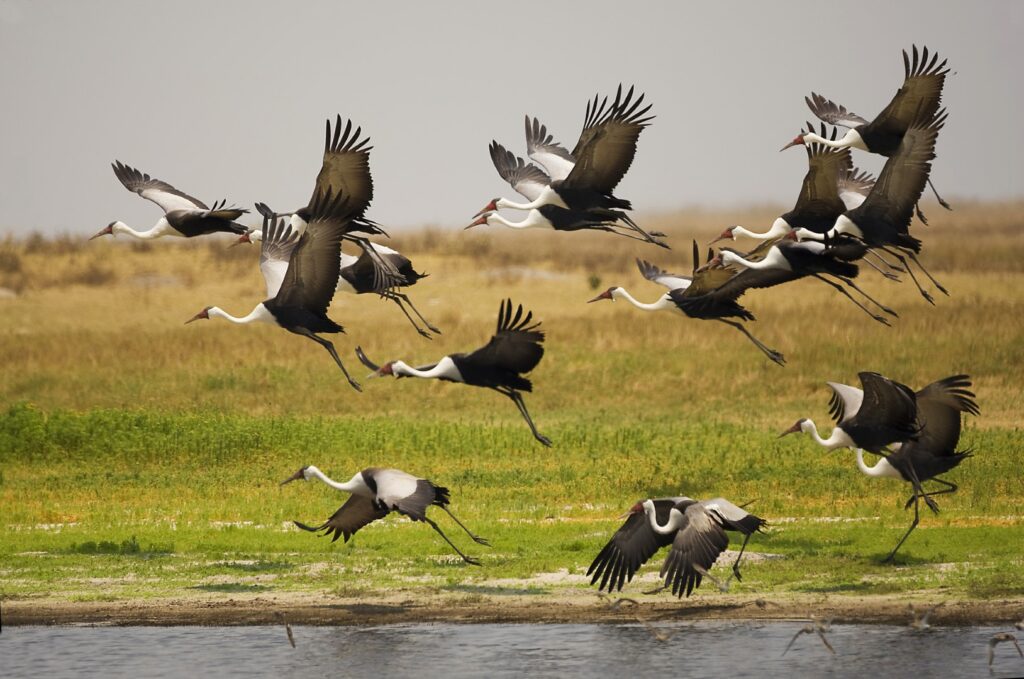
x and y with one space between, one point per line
499 603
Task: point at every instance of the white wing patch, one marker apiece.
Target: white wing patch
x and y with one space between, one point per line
556 166
394 485
852 398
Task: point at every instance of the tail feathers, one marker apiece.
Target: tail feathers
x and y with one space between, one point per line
311 529
441 496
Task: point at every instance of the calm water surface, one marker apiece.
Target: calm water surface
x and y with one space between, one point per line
710 649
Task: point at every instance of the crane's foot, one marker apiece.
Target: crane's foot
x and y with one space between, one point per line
433 329
355 385
920 215
424 333
471 561
942 290
777 357
928 298
543 439
883 320
945 204
892 277
890 311
658 234
907 504
481 541
931 504
736 573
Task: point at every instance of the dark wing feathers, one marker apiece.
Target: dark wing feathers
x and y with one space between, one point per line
939 406
607 144
632 545
357 512
516 344
921 93
315 263
543 148
819 193
887 414
697 543
904 176
831 112
526 178
346 166
160 192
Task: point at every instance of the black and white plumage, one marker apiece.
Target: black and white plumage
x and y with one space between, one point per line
831 186
345 170
584 179
695 529
827 262
184 216
710 293
515 349
882 221
882 413
358 274
301 274
376 492
919 97
933 451
533 183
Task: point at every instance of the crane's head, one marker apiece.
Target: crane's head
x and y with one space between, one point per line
244 238
607 294
725 235
108 230
792 235
204 314
638 508
386 369
798 140
490 207
716 262
301 475
481 219
796 428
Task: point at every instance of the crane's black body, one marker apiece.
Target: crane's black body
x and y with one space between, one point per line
515 349
887 414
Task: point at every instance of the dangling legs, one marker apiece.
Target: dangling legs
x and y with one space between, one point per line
330 349
736 564
950 488
518 400
917 519
394 298
913 257
849 282
770 353
476 538
841 289
467 559
903 261
405 298
937 196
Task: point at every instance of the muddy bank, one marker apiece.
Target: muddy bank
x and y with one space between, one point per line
483 607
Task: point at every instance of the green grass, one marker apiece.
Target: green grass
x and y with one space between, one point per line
152 504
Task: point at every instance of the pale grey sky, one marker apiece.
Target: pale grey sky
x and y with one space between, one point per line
228 99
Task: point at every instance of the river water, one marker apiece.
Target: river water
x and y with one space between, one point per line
695 649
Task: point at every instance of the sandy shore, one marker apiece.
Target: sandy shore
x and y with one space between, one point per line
559 607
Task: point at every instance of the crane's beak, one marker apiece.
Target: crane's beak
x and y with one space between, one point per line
107 231
481 219
792 430
297 476
490 207
603 295
244 238
201 315
725 235
797 141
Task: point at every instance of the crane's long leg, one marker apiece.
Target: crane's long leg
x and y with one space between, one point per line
722 586
849 282
903 260
329 346
950 488
467 559
881 319
645 238
937 196
518 400
400 297
913 258
917 519
736 564
476 538
888 274
391 295
770 353
886 263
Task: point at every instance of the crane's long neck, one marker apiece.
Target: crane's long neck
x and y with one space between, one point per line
780 227
159 230
664 302
355 485
843 225
882 468
534 220
548 196
837 439
445 368
851 139
259 314
773 260
675 519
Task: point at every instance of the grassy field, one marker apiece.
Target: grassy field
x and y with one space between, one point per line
140 457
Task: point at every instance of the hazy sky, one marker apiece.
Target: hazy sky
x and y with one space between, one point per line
228 99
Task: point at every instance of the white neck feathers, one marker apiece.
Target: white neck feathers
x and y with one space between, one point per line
445 368
534 220
356 485
881 469
259 314
664 302
160 229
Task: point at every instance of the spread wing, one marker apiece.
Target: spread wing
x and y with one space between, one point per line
939 406
696 547
819 194
515 346
526 178
632 545
854 185
904 175
845 401
542 147
831 112
160 192
357 512
661 277
921 94
888 411
346 167
315 263
607 144
278 242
